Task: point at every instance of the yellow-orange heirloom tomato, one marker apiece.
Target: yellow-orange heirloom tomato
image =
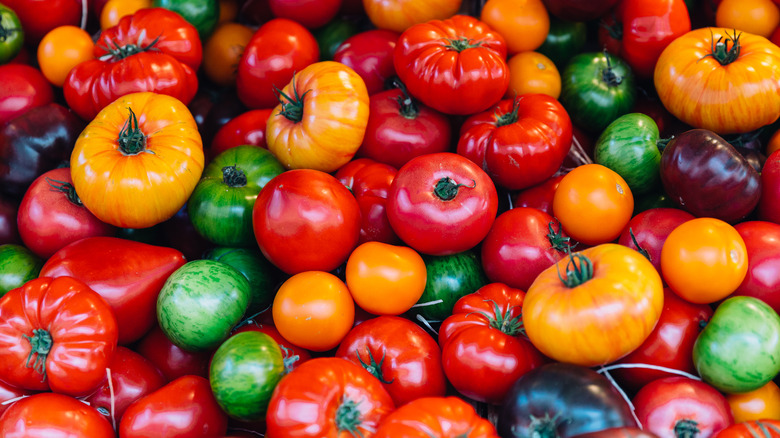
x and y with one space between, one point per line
321 118
385 279
704 260
760 404
398 15
137 162
721 80
594 307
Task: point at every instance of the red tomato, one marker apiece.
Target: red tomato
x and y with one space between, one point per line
650 229
762 240
22 87
436 417
398 352
441 204
751 429
769 203
456 66
53 415
37 24
308 13
302 209
293 354
370 54
539 196
51 215
246 128
484 350
277 50
170 359
183 408
370 186
10 392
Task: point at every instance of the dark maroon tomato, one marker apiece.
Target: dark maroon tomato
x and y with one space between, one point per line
650 228
707 177
171 360
539 196
762 240
370 54
22 88
400 128
9 233
522 242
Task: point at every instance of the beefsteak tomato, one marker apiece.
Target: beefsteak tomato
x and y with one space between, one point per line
53 415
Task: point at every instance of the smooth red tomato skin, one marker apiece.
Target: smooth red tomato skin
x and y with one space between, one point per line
769 202
52 415
426 219
309 13
762 240
370 186
22 87
539 196
246 128
277 50
650 229
8 392
370 54
37 24
171 360
183 408
303 209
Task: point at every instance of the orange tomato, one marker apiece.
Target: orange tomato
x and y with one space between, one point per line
704 260
524 24
385 279
398 15
228 11
223 51
593 204
760 17
116 9
61 49
760 404
533 72
313 310
773 144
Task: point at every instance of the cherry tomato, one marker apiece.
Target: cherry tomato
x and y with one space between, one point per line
62 49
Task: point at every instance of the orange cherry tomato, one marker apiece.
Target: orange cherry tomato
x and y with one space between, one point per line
524 24
533 72
760 404
313 310
760 17
116 9
222 52
385 279
593 204
61 49
704 260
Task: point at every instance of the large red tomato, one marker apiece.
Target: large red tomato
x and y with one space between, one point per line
52 415
38 17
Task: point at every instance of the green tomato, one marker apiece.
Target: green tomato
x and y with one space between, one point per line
564 40
201 302
739 349
263 276
18 265
244 372
11 34
629 146
330 36
203 14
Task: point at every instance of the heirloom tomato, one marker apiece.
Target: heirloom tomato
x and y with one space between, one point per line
13 34
61 49
523 24
564 40
401 14
293 354
759 17
18 265
647 231
136 164
604 301
22 87
456 66
56 334
762 242
38 17
753 428
202 14
261 274
112 11
759 404
53 415
370 54
435 417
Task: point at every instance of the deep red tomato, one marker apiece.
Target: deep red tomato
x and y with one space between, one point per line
769 203
52 415
441 204
55 334
762 240
302 209
650 229
277 50
370 54
670 344
679 406
484 350
37 24
51 215
22 87
539 196
398 352
309 13
171 360
293 354
183 408
246 128
456 66
522 242
9 232
520 142
370 186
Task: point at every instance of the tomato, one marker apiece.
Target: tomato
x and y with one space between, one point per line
293 354
37 24
327 397
371 184
768 205
62 49
202 14
400 354
647 231
18 265
765 428
759 404
675 406
309 13
704 260
9 394
222 52
435 417
9 233
22 88
114 10
761 242
593 204
577 10
53 415
263 277
519 142
321 118
532 72
313 310
523 24
301 208
370 54
399 15
170 359
183 408
13 35
277 50
595 306
539 196
564 40
246 128
759 17
57 334
427 55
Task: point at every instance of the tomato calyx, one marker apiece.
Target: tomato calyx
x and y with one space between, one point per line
545 427
504 322
608 75
407 105
462 44
446 188
686 428
289 359
509 117
615 29
115 52
233 176
579 269
721 52
557 240
67 188
293 108
374 367
132 140
348 417
7 32
40 345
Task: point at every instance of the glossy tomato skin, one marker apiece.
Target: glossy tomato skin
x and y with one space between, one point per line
761 403
769 202
650 229
436 416
747 429
762 241
300 208
23 87
36 25
370 54
370 186
539 196
293 354
309 13
442 204
170 359
246 128
53 415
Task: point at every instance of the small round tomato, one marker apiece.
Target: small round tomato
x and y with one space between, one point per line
647 231
62 49
760 17
760 404
314 310
222 52
762 240
593 203
171 360
704 260
532 72
13 35
385 279
22 87
370 54
53 415
523 23
114 10
245 128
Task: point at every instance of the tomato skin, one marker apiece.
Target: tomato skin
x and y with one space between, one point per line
222 52
760 404
762 240
650 229
441 417
246 128
748 429
523 24
22 87
62 49
36 24
400 15
170 359
293 354
539 196
53 415
309 13
370 54
769 202
425 57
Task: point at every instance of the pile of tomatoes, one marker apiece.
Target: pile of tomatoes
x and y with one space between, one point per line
372 218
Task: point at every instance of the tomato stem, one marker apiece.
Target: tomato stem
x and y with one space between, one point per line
461 44
40 345
579 269
639 247
608 75
720 50
67 188
232 176
348 417
557 240
545 427
508 118
6 32
117 52
686 428
293 108
406 103
503 322
374 367
446 188
132 140
289 359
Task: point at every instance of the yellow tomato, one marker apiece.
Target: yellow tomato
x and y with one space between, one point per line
61 49
760 404
222 52
114 10
385 279
398 15
524 24
533 72
760 17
